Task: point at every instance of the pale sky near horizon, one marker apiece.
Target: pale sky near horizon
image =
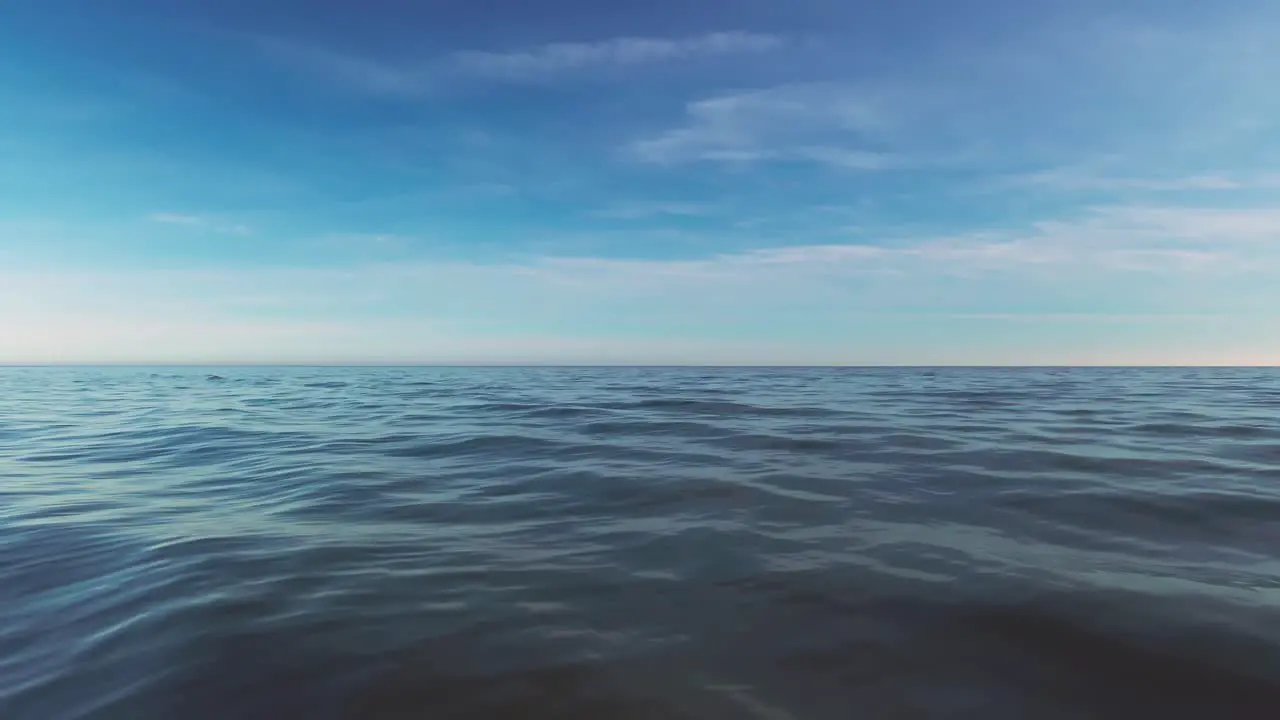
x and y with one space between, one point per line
726 182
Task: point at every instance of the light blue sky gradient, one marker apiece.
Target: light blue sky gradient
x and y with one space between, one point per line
819 181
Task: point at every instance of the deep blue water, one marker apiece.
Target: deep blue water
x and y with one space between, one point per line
774 544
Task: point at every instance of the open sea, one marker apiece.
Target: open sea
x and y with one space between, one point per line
625 543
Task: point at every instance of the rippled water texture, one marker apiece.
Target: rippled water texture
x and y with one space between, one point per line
639 543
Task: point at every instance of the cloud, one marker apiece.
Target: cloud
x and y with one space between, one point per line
177 219
1173 240
1078 178
201 222
641 210
848 159
788 122
1120 238
1210 228
1083 182
557 58
1044 96
414 78
360 74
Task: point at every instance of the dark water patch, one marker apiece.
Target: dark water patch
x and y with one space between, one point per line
1108 672
1262 453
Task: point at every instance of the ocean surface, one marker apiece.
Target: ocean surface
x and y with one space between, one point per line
770 544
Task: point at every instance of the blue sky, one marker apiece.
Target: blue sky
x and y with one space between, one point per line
731 181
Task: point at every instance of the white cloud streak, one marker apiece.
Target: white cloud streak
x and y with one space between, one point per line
414 78
787 123
557 58
1069 178
1208 228
200 222
177 219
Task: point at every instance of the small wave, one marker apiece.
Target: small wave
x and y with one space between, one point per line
721 408
562 412
652 428
507 446
1233 520
1204 431
1048 462
785 443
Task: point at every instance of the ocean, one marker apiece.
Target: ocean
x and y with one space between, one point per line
618 543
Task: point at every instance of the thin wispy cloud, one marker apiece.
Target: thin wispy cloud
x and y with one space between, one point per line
787 122
537 64
177 219
1179 243
1084 179
200 222
557 58
849 159
1213 226
348 71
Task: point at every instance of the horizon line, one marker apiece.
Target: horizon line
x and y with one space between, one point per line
531 365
